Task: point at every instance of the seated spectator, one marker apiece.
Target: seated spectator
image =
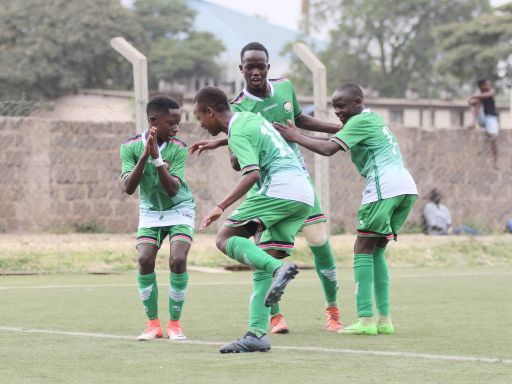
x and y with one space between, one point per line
438 220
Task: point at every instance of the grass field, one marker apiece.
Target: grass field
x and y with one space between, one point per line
453 326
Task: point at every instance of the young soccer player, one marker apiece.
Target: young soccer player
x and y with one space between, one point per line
388 197
276 101
154 161
279 208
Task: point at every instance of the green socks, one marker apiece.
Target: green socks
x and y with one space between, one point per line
246 252
380 268
363 274
325 267
148 290
275 309
177 291
259 314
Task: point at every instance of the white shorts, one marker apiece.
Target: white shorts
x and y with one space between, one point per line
489 123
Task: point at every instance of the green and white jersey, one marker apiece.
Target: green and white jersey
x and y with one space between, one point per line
156 207
377 157
281 105
257 145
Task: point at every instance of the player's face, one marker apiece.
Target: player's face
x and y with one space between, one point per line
485 86
205 118
345 105
166 124
255 68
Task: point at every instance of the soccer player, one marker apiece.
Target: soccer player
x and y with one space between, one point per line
279 208
154 161
276 101
388 197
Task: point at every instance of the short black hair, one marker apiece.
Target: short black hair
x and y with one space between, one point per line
212 97
254 46
481 82
352 88
160 105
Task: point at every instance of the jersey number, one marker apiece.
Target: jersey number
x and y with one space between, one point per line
389 136
268 130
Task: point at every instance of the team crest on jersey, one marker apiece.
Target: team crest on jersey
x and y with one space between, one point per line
287 106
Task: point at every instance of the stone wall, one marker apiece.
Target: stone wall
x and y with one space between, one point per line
56 174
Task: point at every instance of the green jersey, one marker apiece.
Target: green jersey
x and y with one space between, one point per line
156 207
281 105
377 157
258 146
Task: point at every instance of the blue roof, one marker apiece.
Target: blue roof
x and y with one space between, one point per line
236 29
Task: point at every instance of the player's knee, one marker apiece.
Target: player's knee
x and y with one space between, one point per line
316 234
146 262
221 242
178 263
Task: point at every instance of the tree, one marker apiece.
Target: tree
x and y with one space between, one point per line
177 52
479 48
387 45
61 46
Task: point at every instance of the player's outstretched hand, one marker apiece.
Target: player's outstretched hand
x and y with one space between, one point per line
202 145
213 215
289 132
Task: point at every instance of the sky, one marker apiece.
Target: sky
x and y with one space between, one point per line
285 13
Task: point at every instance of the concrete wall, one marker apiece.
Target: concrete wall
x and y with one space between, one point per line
55 174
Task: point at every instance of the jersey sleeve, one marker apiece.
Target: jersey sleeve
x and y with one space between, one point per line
177 168
240 145
351 134
128 160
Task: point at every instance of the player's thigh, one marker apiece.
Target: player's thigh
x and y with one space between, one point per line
180 238
374 219
401 212
281 234
151 236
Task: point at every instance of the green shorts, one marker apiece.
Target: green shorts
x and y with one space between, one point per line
317 215
279 219
156 235
384 218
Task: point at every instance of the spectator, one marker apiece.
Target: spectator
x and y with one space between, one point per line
483 110
438 220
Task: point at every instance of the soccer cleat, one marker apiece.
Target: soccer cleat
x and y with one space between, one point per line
278 325
282 276
359 329
153 331
332 317
248 343
174 331
385 328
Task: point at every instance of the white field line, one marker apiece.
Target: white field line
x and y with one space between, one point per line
477 359
248 282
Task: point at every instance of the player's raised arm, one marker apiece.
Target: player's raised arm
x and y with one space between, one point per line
131 179
310 123
291 134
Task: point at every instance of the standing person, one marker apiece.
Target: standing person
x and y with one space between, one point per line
389 195
276 101
154 161
279 209
483 110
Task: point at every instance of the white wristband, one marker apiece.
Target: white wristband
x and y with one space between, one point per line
158 162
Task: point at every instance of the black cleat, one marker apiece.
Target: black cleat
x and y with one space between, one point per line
248 343
282 276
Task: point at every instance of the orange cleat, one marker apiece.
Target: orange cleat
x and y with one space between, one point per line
278 325
332 317
153 331
174 331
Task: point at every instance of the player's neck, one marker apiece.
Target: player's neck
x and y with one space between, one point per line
225 118
261 93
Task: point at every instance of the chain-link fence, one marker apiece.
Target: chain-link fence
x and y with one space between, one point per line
62 176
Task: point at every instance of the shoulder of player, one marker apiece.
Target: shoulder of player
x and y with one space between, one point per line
133 139
246 121
238 99
363 118
175 141
279 80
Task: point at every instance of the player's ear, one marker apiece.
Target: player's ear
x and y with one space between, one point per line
210 111
240 67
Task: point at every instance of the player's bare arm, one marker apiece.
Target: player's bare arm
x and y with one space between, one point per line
239 190
131 182
206 145
310 123
322 147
